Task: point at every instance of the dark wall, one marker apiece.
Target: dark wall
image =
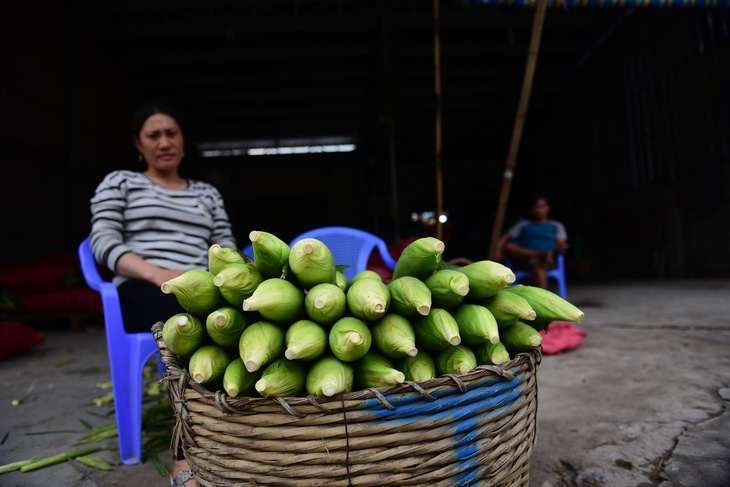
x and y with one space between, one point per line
635 149
632 146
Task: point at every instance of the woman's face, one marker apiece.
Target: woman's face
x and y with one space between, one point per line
161 143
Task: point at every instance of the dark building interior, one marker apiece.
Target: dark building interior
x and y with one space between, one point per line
626 128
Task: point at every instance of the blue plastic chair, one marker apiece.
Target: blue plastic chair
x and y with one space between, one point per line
248 251
558 274
128 355
350 246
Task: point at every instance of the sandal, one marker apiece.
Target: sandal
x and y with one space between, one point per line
181 478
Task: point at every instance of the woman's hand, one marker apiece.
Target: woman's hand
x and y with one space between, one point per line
131 265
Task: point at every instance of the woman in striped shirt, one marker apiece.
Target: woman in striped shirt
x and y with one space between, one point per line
153 225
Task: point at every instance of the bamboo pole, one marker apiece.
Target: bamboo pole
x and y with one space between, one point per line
437 92
509 170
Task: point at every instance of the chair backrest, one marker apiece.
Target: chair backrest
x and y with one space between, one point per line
350 246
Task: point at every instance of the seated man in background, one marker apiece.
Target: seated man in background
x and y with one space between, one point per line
532 243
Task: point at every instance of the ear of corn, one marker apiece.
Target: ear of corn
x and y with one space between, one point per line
239 381
277 300
342 281
366 274
489 353
261 343
220 257
507 307
225 325
420 258
208 364
325 304
418 368
457 360
329 376
349 339
305 340
436 331
368 299
393 336
238 281
476 324
183 333
409 296
282 378
196 292
486 277
448 288
548 306
312 263
520 337
270 253
376 370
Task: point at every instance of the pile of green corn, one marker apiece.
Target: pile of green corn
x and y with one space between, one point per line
290 323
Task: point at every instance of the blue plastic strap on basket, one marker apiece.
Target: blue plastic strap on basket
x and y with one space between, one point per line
462 418
414 405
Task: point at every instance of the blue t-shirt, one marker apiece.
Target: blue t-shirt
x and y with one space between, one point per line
538 236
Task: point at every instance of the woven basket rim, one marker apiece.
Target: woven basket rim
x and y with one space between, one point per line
174 372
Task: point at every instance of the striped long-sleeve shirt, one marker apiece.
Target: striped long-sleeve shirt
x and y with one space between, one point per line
172 229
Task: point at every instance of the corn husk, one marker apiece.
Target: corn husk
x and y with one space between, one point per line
239 381
283 378
476 324
305 340
368 299
329 376
325 304
277 300
366 274
417 368
448 288
520 337
196 292
312 263
270 253
261 343
409 297
238 281
507 307
486 277
376 370
489 353
225 325
393 336
457 360
221 257
342 281
208 364
420 258
548 306
349 339
183 334
436 331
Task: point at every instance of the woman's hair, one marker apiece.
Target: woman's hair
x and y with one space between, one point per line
146 111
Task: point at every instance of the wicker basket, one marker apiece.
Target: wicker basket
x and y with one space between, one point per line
476 429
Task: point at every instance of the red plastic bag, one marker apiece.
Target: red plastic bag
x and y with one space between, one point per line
561 336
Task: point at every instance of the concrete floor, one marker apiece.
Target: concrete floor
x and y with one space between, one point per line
642 402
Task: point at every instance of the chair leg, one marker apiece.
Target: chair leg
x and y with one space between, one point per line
128 386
